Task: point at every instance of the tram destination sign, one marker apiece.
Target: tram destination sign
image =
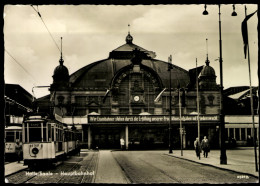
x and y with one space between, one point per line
148 118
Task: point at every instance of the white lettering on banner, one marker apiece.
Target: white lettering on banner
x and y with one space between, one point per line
148 119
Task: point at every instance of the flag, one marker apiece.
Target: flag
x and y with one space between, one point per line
104 98
170 62
150 54
159 95
52 98
244 31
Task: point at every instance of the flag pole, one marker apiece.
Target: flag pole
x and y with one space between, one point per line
258 85
251 101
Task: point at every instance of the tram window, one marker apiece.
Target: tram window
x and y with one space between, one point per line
44 134
65 136
17 135
9 137
61 135
57 134
49 133
25 133
52 133
35 134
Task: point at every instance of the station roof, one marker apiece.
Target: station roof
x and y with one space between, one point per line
98 75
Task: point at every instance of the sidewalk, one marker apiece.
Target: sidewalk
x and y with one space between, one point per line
13 167
241 160
108 170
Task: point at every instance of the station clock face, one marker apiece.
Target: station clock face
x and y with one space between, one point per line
136 98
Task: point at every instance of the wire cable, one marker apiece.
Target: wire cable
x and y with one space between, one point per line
37 11
20 65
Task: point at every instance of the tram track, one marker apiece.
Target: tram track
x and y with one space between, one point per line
134 168
67 172
19 177
80 168
85 164
175 180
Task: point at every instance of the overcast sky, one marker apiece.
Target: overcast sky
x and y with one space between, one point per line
90 32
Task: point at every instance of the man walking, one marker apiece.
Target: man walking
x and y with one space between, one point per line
197 147
122 143
18 150
205 146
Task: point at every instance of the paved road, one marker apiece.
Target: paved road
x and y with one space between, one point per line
154 167
76 169
129 167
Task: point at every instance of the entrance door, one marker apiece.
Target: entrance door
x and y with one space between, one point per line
106 138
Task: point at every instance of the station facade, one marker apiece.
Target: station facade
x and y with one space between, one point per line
114 98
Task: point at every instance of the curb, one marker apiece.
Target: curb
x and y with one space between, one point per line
20 170
213 166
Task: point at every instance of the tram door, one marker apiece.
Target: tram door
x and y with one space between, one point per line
106 138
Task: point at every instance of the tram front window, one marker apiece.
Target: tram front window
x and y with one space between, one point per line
9 137
36 132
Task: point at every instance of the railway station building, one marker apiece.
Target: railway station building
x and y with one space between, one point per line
114 98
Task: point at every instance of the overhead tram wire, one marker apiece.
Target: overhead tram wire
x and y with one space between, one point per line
37 11
21 66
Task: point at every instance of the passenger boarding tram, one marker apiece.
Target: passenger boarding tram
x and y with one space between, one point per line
45 140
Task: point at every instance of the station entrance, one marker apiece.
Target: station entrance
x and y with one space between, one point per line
106 137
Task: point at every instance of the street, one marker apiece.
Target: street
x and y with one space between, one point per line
155 167
106 166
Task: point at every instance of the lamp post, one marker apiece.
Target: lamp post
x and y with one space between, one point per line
170 102
181 129
223 156
198 103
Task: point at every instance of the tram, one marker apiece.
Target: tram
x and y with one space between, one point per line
46 141
13 134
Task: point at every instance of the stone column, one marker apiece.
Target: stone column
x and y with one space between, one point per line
184 138
89 137
126 137
240 134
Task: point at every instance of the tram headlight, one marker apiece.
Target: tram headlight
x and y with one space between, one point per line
35 151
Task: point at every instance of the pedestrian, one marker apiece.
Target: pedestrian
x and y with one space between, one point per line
18 151
205 146
197 147
77 148
249 141
122 143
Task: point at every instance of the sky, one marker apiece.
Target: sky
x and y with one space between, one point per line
90 32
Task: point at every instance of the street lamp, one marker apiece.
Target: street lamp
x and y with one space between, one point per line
223 156
170 107
234 11
181 129
205 12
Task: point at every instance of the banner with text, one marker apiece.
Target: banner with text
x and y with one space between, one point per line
149 118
